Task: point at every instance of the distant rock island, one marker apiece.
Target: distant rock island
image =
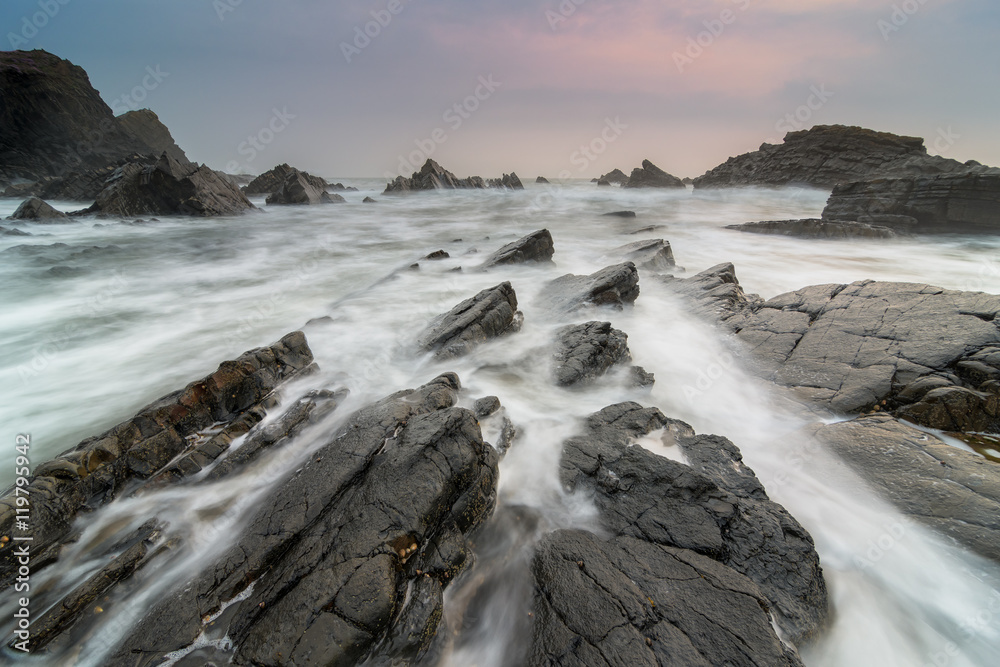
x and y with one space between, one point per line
433 176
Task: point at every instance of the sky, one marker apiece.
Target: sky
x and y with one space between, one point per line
561 88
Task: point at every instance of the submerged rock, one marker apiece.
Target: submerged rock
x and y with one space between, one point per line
948 203
490 314
507 181
619 214
813 228
535 247
826 155
169 188
615 286
38 210
651 176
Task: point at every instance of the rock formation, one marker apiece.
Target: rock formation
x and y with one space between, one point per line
271 181
616 176
490 314
651 176
38 210
301 188
826 155
535 247
615 286
814 228
433 176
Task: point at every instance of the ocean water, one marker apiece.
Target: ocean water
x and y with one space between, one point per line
100 317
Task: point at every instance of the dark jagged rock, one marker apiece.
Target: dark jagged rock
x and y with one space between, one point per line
55 121
813 228
718 295
82 185
369 200
372 530
299 188
486 406
827 155
651 176
948 203
713 510
507 181
541 179
101 468
39 211
952 491
490 314
601 183
632 602
852 347
433 176
587 351
13 232
654 254
169 188
619 214
615 286
614 176
272 180
437 255
535 247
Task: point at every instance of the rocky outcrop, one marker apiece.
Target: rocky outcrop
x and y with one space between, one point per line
651 176
433 176
55 121
535 247
940 486
541 180
697 557
506 182
587 351
854 347
950 203
78 185
813 228
827 155
402 486
299 188
490 314
615 286
169 188
718 295
37 210
653 254
100 468
272 180
616 176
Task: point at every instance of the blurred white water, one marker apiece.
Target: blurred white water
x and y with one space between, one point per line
124 313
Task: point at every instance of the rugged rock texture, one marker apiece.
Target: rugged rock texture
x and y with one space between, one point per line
490 314
101 468
52 121
169 188
615 286
300 188
38 210
651 176
433 176
717 294
507 181
587 351
653 254
535 247
852 347
272 180
614 176
827 155
372 530
78 185
813 228
698 554
950 490
950 203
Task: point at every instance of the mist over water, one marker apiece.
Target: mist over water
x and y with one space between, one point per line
102 317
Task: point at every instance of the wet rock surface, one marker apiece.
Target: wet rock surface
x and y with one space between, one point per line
38 210
299 188
587 351
490 314
826 155
947 489
947 203
815 228
716 293
169 188
272 180
651 176
652 255
387 504
615 286
535 247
